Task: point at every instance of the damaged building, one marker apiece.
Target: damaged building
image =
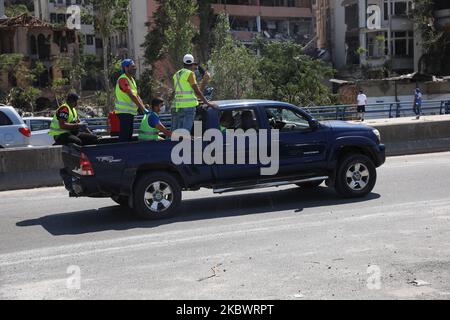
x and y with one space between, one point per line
374 34
40 41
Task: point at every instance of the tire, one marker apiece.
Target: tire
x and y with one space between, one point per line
121 200
310 184
356 176
157 195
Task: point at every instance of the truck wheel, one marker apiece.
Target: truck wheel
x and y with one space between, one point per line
356 176
121 200
310 184
157 195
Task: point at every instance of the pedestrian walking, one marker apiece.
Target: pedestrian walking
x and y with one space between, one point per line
361 102
417 103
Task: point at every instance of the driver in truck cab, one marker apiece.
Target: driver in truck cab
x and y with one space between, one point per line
151 124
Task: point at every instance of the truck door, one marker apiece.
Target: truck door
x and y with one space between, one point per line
245 143
302 148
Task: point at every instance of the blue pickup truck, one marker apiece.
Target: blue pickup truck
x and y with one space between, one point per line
143 176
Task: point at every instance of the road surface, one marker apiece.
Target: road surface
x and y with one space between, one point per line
278 243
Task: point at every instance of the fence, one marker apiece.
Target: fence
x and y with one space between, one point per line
379 110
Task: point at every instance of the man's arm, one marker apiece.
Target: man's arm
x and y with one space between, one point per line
205 81
62 115
163 129
125 87
198 93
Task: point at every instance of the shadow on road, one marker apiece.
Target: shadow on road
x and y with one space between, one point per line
117 218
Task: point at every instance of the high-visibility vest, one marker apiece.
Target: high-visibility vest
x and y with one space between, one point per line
146 132
124 104
55 129
185 96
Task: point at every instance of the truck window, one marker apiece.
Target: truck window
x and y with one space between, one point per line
4 120
286 120
202 116
238 119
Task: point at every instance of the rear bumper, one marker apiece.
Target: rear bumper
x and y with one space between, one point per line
81 186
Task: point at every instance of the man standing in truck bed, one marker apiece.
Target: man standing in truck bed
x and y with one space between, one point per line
187 94
128 101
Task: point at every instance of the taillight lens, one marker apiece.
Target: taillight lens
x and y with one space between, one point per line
25 131
85 166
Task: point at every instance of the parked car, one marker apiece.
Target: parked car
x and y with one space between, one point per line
39 127
14 132
142 174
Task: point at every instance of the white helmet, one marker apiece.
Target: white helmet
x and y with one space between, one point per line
188 59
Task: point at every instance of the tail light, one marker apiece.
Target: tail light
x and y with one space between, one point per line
25 131
85 166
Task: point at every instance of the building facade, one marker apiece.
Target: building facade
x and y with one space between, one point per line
272 19
57 13
373 34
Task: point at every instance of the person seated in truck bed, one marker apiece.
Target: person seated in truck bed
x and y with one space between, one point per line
151 125
66 127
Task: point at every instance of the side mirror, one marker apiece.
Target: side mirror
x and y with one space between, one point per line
314 124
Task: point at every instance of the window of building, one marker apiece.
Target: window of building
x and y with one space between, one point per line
402 44
53 18
376 44
89 39
398 8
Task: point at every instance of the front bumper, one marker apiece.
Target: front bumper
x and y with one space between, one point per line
380 154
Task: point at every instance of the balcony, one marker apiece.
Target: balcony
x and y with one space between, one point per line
302 11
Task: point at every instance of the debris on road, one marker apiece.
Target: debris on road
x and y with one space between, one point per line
419 283
214 273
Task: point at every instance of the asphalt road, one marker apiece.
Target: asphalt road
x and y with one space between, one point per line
279 243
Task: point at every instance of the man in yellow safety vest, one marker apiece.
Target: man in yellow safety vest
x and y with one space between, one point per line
187 94
128 101
66 128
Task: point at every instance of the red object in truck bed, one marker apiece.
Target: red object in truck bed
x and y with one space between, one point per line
113 124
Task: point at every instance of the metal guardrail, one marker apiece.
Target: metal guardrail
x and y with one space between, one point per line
379 110
336 112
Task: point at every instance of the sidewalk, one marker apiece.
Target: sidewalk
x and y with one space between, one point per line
405 120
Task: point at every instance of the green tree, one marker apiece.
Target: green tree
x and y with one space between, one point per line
435 41
155 39
15 10
61 88
180 32
23 77
234 68
110 16
289 75
203 40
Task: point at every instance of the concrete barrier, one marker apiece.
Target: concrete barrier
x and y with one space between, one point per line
404 136
27 168
39 167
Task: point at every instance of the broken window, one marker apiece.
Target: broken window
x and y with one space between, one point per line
376 44
402 43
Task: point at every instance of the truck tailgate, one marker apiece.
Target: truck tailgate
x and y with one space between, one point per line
71 157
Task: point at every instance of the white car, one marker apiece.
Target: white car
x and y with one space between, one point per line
14 133
39 127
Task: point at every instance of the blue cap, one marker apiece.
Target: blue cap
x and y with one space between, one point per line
127 63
